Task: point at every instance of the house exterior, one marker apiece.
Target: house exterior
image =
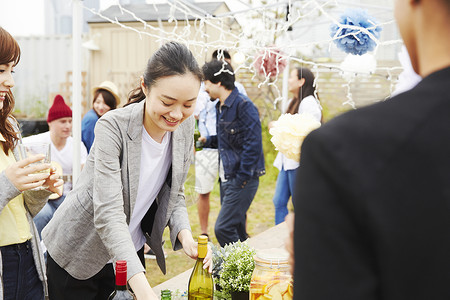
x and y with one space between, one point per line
123 53
122 39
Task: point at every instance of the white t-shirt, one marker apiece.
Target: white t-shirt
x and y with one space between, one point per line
240 88
64 156
311 106
156 159
308 105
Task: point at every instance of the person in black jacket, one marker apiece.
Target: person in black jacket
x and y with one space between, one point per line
372 202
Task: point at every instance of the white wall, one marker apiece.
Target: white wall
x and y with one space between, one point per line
43 66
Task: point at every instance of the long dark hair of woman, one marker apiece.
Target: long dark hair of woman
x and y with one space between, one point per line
171 59
9 52
307 89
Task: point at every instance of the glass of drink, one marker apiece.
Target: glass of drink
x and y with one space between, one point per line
30 149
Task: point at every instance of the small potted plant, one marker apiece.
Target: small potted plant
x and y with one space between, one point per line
235 270
218 255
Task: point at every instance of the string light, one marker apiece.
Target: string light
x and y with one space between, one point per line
247 44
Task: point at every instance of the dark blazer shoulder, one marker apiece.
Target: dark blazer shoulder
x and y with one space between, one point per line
373 136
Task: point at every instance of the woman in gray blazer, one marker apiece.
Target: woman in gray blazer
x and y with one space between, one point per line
131 187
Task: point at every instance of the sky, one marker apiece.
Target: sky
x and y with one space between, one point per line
22 17
26 17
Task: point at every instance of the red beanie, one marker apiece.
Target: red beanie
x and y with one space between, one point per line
59 109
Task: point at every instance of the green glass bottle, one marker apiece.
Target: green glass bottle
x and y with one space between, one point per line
166 295
201 282
197 143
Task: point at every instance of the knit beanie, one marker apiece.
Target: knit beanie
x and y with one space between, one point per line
59 109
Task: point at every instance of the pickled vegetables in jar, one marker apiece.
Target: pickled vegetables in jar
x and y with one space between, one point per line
271 279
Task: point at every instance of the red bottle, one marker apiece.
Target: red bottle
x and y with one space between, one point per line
121 292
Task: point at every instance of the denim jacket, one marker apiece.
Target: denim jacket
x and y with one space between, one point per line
239 138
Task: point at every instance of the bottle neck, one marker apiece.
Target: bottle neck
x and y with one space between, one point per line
202 250
121 287
200 260
121 279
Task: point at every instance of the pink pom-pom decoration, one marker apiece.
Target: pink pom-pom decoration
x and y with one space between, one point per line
270 63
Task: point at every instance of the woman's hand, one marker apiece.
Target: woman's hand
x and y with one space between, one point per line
190 248
141 288
24 176
53 182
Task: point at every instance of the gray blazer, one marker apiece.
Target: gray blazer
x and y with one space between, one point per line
34 201
90 228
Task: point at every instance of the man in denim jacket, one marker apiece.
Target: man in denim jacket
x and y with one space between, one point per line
241 158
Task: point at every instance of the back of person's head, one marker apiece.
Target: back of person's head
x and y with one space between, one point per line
9 52
416 20
218 71
307 89
171 59
221 54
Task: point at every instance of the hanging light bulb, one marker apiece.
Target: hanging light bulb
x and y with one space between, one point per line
238 58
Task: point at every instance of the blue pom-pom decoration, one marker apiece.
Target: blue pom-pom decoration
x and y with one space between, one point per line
353 40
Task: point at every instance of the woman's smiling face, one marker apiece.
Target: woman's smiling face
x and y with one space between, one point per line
6 81
169 102
100 106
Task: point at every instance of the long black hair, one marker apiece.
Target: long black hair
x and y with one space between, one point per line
307 89
171 59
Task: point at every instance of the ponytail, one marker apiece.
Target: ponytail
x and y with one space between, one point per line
135 96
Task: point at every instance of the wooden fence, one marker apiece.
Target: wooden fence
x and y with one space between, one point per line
336 94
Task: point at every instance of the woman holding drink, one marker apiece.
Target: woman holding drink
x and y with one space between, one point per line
22 195
131 187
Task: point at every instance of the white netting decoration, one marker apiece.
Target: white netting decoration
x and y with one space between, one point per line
285 31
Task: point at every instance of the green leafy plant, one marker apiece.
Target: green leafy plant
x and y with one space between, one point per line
236 269
218 255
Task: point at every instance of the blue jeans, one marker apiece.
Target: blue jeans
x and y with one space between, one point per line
20 278
283 191
235 201
46 213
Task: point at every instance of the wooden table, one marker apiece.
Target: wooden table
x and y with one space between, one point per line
271 238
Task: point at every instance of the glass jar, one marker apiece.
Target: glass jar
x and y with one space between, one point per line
271 278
